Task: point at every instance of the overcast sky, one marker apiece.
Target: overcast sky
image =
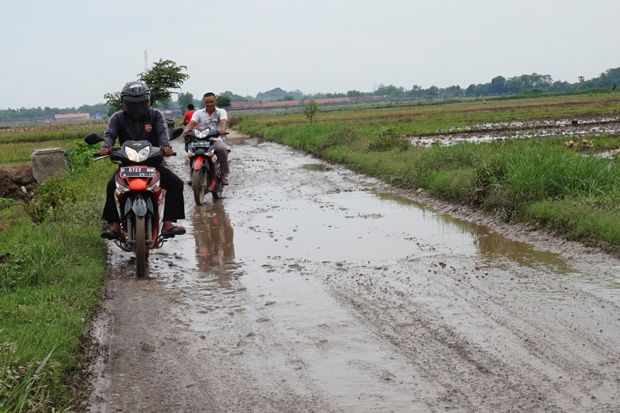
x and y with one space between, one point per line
63 53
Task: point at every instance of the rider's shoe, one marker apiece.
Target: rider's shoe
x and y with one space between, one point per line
112 232
172 231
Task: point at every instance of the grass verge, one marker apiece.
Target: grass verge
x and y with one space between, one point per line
52 265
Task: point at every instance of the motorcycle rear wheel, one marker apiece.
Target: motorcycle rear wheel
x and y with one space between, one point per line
140 247
199 183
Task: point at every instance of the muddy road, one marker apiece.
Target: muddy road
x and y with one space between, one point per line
313 289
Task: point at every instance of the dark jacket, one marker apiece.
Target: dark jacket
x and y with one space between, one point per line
152 128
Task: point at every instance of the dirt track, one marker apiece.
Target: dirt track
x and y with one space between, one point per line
313 289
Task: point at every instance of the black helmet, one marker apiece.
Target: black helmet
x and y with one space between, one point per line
135 92
136 98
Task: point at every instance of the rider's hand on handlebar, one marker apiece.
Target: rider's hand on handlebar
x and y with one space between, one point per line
105 151
167 151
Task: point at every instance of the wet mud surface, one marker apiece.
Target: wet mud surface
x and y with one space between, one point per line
313 289
574 127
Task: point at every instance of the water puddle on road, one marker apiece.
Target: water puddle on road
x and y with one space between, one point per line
363 226
255 288
488 243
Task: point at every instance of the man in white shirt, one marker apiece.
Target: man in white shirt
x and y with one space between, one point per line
213 118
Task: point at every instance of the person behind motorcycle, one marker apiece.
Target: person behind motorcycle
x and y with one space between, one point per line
213 118
187 117
137 120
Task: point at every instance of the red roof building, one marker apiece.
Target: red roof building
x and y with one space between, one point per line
71 116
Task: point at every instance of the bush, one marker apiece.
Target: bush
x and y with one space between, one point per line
453 184
49 195
386 140
80 157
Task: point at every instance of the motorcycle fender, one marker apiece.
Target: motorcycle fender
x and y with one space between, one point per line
198 163
149 206
128 204
139 207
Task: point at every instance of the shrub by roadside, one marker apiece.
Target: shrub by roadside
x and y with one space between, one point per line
52 265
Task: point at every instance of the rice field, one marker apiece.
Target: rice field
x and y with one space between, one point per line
18 143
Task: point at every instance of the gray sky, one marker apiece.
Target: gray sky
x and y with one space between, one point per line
63 53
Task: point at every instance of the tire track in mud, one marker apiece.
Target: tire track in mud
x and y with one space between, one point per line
533 370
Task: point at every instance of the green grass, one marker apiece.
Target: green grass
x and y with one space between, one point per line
592 217
52 265
539 180
21 152
417 118
18 143
49 132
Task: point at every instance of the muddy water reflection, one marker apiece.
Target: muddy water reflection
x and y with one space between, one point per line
490 244
214 237
362 226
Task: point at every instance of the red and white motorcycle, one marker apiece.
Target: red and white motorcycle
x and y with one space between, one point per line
139 197
205 173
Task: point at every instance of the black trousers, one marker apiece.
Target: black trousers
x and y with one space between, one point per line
174 208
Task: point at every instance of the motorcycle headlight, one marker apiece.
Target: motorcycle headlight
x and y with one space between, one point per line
137 156
144 154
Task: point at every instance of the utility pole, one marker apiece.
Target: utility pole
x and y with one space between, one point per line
146 62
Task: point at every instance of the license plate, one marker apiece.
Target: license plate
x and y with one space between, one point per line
137 172
203 144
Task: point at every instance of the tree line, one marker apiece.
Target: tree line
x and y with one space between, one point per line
165 76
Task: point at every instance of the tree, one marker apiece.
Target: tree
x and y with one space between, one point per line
310 109
432 92
390 91
223 101
234 97
185 99
164 76
113 102
498 84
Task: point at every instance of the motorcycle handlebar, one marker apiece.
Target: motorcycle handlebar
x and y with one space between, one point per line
211 135
99 156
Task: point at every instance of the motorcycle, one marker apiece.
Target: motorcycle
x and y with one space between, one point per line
205 173
138 196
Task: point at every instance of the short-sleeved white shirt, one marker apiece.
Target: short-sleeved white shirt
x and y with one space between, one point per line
204 120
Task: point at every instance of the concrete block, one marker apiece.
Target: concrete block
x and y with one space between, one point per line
47 163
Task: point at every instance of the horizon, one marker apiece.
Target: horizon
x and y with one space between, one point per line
197 97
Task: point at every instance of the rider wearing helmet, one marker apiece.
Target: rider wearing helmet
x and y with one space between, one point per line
137 120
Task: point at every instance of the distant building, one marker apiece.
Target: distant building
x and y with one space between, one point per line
69 117
282 104
171 112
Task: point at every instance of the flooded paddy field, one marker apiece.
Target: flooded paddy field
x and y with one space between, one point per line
571 128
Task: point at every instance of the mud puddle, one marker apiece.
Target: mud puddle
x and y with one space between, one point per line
311 288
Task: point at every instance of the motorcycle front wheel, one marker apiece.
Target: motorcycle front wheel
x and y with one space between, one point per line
140 247
199 183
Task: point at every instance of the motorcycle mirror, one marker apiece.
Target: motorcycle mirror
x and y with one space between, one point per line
93 138
176 132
